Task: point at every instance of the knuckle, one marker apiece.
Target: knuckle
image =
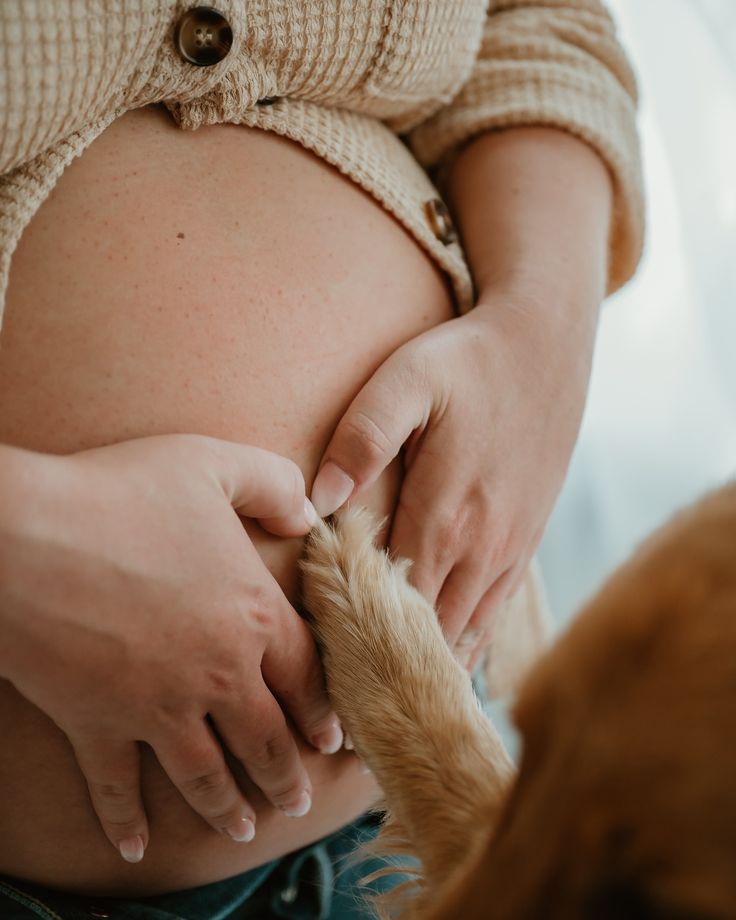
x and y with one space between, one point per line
297 487
270 752
118 806
222 816
260 609
449 536
375 443
224 682
120 828
114 794
284 793
205 785
313 711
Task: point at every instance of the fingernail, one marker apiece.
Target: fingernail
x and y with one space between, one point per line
365 769
310 514
132 849
331 489
461 654
348 743
300 807
465 646
242 831
330 740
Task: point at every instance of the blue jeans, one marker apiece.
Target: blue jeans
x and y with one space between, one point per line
319 882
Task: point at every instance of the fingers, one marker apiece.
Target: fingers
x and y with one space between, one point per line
434 523
410 539
371 433
464 589
485 617
257 734
195 764
292 670
112 771
480 625
444 569
263 485
459 562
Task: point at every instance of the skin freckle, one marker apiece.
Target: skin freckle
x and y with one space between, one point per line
180 236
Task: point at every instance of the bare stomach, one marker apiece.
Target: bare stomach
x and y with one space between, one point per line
226 283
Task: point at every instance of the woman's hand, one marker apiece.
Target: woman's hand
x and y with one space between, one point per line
487 408
135 608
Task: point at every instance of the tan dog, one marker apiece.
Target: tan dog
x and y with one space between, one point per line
625 804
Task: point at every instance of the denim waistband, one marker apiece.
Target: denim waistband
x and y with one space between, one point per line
320 882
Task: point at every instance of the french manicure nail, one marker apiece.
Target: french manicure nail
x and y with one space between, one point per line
300 807
310 514
330 740
132 849
331 489
348 744
242 831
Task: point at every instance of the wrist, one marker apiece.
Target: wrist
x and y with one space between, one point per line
571 318
29 487
556 336
28 483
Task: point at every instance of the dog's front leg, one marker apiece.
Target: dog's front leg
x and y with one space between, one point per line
408 705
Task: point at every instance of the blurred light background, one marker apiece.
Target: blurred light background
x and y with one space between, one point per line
660 425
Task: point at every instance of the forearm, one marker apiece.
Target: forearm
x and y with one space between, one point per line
534 208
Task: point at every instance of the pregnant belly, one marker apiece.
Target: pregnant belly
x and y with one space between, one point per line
224 282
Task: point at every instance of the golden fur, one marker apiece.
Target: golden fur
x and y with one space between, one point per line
405 701
625 806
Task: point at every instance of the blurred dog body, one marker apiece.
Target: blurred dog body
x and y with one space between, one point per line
625 803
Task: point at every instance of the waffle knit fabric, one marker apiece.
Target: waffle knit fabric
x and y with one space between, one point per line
387 91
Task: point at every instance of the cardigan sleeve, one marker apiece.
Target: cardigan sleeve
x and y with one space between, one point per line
555 63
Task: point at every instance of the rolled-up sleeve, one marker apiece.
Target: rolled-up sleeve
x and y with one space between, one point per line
557 64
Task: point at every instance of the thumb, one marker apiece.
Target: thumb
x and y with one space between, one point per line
377 424
263 485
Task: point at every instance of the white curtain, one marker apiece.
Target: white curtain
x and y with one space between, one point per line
660 425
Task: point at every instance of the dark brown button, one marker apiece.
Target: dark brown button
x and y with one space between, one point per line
203 36
440 221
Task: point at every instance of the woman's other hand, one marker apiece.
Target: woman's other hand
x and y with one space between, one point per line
487 407
135 608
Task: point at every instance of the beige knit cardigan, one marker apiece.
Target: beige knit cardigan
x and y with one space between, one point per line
385 90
